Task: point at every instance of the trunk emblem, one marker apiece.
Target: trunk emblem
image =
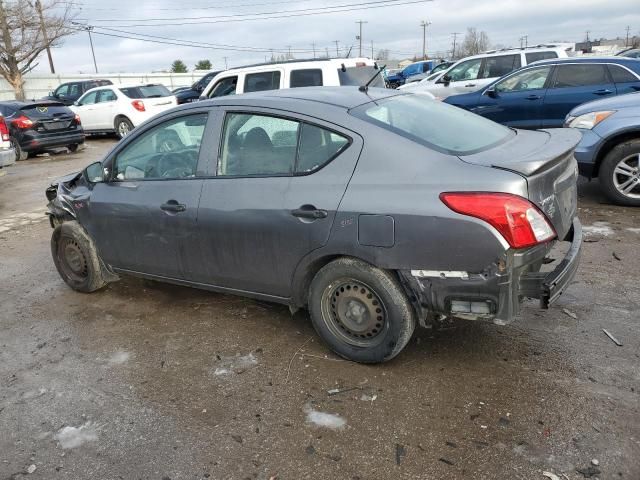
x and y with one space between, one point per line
42 109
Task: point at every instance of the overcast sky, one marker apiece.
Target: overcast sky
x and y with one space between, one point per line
396 28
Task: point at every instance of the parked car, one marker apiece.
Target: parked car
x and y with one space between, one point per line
67 93
629 53
181 88
121 109
416 68
610 145
289 196
441 67
35 126
294 74
541 95
473 73
7 152
192 94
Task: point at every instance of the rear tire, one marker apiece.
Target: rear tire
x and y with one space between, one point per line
620 170
76 258
73 148
360 311
20 154
123 127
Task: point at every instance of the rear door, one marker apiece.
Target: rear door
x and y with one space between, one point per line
626 81
574 84
271 198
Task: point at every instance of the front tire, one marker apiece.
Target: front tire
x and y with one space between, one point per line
76 258
360 311
73 148
123 127
620 174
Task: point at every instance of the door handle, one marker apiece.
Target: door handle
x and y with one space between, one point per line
309 211
470 85
173 207
603 91
533 97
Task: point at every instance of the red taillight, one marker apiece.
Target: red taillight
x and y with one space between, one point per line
78 119
22 122
138 105
518 220
4 131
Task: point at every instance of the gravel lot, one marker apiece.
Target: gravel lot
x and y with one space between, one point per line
150 381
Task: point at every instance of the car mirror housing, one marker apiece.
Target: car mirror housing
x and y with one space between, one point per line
491 92
95 173
446 80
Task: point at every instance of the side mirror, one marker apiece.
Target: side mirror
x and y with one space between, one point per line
202 97
51 94
446 80
95 173
491 92
76 103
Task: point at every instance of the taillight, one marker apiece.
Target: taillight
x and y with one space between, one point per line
4 131
138 105
518 220
22 122
77 117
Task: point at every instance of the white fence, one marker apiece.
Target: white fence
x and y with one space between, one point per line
38 85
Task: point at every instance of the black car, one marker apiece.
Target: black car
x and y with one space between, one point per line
38 125
67 93
193 94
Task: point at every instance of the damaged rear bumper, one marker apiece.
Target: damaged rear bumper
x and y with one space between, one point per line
496 293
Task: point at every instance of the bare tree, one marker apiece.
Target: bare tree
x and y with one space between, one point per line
26 32
474 42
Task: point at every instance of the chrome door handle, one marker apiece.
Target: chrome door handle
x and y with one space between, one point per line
173 207
311 213
603 91
533 97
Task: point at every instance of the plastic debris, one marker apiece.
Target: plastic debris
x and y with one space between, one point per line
595 461
570 313
550 475
327 420
614 339
400 452
31 468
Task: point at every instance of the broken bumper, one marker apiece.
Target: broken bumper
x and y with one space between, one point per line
496 293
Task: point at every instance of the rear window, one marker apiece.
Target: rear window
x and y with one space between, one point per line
499 66
38 110
259 82
537 56
580 75
309 77
437 125
621 75
146 91
360 76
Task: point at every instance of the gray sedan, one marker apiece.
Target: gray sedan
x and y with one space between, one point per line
375 210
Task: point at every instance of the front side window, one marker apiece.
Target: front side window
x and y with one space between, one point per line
537 56
495 67
89 99
262 145
531 79
260 82
169 150
309 77
225 86
450 129
465 71
580 75
62 90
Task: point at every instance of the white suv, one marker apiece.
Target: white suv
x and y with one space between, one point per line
473 73
302 73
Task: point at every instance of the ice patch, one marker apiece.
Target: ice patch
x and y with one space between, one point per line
323 419
237 364
74 437
598 228
633 230
119 358
222 371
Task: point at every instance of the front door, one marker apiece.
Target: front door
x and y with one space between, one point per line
86 108
104 110
277 185
144 218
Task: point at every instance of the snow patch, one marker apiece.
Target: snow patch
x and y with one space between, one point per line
237 364
598 228
633 230
74 437
323 419
119 358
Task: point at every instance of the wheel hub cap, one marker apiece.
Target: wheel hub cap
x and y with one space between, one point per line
626 176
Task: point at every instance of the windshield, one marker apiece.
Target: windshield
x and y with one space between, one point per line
437 125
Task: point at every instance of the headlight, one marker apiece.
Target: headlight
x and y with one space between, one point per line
588 120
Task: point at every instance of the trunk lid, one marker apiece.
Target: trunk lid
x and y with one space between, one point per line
545 159
49 117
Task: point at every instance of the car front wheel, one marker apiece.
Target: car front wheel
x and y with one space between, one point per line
360 311
123 127
620 173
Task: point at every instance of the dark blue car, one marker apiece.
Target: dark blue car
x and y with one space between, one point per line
416 68
610 145
541 95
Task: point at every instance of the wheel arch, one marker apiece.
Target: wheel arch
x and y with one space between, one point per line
610 144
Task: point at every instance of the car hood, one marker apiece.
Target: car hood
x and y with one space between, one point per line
630 100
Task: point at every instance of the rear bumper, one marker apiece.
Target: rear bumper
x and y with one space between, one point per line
7 157
496 293
39 143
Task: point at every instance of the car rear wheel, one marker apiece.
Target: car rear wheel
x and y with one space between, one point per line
123 126
73 147
76 258
620 173
360 311
20 154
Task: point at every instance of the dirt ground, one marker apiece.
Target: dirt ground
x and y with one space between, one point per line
150 381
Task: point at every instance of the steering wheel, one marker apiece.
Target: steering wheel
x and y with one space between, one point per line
176 165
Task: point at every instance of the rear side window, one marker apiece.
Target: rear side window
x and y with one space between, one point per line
259 82
106 96
146 91
450 129
498 66
310 77
537 56
360 75
580 75
621 75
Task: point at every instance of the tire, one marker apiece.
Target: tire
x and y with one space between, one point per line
620 166
20 154
73 148
76 258
360 311
123 127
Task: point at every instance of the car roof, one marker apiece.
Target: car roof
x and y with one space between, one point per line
612 59
330 61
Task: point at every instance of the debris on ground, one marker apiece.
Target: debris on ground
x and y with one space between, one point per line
588 472
614 339
323 419
570 313
595 462
31 468
336 391
237 364
401 451
550 475
503 421
368 398
73 437
615 255
444 460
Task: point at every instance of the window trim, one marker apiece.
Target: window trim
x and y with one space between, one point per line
282 117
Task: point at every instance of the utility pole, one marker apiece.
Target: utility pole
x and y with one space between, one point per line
453 52
93 54
372 50
289 55
424 24
337 52
313 45
225 63
38 8
587 35
626 43
359 37
326 49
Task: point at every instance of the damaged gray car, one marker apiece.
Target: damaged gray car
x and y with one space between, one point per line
375 210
